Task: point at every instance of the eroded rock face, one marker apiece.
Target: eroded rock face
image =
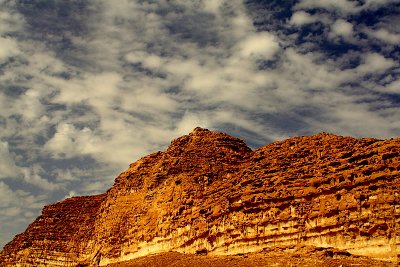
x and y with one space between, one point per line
210 193
61 236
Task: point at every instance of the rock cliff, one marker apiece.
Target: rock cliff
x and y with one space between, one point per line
210 193
61 236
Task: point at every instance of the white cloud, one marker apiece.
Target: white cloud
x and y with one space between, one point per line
10 21
8 48
384 35
343 29
30 106
374 4
7 164
69 141
375 63
65 175
71 193
31 175
7 195
352 119
153 62
213 5
63 141
259 46
306 71
190 121
300 18
100 89
393 87
93 187
343 6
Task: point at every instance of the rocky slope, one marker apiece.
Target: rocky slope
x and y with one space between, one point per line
210 193
61 236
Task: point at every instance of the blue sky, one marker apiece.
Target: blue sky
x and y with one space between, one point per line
87 87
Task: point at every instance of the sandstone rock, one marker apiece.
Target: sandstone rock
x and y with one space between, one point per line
61 236
209 193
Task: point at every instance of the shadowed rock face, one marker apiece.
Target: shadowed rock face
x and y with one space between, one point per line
210 193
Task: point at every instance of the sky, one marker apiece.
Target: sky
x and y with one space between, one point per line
88 87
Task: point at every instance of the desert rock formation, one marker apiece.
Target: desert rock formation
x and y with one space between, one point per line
210 193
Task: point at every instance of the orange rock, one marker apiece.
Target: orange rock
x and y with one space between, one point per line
210 193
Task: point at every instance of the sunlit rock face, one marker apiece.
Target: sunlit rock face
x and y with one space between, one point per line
210 193
61 236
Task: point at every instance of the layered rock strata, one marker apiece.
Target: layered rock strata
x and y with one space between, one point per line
61 236
210 193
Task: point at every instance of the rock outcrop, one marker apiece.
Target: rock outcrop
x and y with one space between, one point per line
61 236
210 193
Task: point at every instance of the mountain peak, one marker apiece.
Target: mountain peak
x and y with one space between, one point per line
207 142
198 130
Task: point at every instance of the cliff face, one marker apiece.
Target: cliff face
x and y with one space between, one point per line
209 193
61 236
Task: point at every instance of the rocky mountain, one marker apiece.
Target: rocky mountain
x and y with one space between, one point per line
209 193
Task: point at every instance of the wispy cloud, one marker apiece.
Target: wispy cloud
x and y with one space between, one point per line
7 164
